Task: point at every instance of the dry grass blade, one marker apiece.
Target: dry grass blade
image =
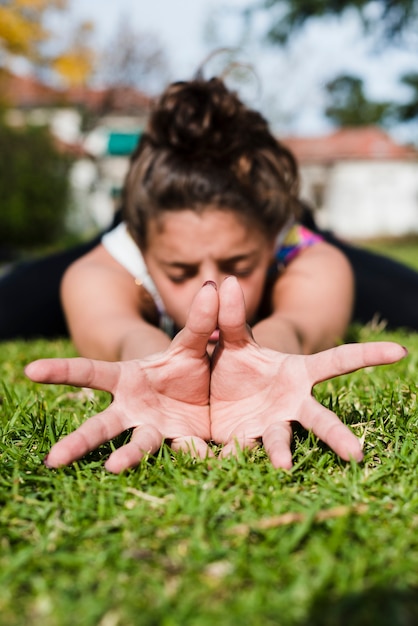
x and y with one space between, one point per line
295 518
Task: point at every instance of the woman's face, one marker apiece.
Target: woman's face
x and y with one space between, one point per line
185 249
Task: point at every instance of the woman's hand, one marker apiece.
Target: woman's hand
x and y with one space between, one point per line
165 396
256 393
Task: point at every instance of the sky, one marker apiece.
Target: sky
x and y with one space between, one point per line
289 89
178 24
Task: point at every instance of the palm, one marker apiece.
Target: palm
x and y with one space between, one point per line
257 393
165 396
253 391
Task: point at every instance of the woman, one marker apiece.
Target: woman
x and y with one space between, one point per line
210 195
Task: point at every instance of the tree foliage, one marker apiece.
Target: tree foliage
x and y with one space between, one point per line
288 16
409 111
349 105
387 20
23 32
34 187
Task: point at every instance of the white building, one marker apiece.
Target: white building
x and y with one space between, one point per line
361 183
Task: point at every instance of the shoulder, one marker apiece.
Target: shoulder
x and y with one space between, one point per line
316 291
96 270
319 274
317 262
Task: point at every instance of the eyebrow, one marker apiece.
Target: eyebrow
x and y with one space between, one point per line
233 259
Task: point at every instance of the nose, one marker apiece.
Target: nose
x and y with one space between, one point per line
212 274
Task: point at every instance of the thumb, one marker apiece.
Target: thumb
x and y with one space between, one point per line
201 321
232 314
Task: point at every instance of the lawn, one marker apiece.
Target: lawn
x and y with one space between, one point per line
405 251
179 542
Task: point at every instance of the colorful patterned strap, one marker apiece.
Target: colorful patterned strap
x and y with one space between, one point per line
297 239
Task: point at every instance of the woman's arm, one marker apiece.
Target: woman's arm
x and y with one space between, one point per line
312 303
104 307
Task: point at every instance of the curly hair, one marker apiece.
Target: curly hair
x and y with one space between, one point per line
204 148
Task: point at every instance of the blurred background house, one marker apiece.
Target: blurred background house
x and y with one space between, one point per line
361 183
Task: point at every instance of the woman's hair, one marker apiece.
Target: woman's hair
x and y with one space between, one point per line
204 148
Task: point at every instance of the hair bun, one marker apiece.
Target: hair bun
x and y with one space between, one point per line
197 117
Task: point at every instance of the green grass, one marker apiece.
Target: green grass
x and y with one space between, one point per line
178 542
404 250
183 542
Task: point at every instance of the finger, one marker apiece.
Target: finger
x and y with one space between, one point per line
327 427
350 357
78 372
145 440
95 431
201 321
276 440
237 444
196 447
232 315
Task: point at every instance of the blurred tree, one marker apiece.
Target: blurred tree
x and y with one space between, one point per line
389 21
393 19
132 64
409 111
23 33
34 187
349 105
75 64
133 59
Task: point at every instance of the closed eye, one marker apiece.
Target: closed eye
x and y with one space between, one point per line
238 271
182 274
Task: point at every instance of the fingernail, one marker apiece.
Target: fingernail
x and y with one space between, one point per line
46 462
406 350
210 282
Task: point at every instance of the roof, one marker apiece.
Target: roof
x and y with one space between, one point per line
25 91
116 99
362 143
28 92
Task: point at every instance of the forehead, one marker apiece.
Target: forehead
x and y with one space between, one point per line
186 233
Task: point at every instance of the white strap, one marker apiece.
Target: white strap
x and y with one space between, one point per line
120 245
